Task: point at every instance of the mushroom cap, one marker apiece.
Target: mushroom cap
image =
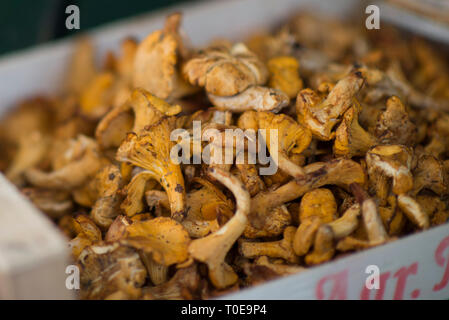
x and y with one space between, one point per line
166 239
284 75
318 203
350 138
155 63
225 72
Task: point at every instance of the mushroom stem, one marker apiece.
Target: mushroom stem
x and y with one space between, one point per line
213 248
371 218
413 211
347 223
341 172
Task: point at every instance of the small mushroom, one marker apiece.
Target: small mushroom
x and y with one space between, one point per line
327 234
394 125
321 115
435 208
125 271
438 132
276 221
25 133
430 174
413 211
213 248
392 217
205 208
284 75
256 98
371 219
392 161
351 139
249 175
323 248
276 249
151 151
73 174
32 149
85 231
292 138
317 207
347 223
157 61
135 191
97 98
107 206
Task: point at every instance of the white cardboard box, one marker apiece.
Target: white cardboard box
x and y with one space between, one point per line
415 267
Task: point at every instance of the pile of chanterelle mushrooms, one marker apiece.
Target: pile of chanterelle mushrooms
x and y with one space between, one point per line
363 125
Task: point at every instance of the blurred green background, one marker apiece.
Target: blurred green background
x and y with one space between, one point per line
25 23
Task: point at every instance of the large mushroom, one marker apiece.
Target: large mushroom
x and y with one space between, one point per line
151 151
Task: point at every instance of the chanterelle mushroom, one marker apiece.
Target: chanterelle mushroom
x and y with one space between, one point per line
213 248
185 284
430 174
394 161
320 115
125 271
284 75
291 137
225 72
254 98
164 238
85 231
157 61
276 249
142 109
350 138
361 154
205 207
394 125
317 207
106 208
135 190
151 151
77 171
340 172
